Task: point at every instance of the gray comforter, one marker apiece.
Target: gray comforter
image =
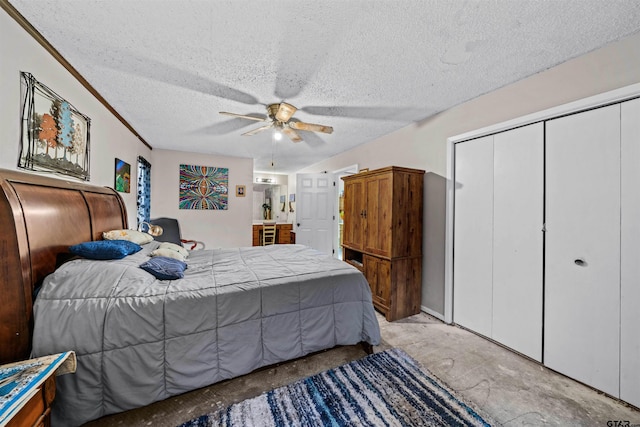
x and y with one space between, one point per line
140 340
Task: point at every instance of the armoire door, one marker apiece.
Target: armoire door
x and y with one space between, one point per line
378 274
582 248
378 202
473 235
353 228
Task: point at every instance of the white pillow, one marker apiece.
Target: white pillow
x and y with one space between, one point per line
168 245
131 235
167 253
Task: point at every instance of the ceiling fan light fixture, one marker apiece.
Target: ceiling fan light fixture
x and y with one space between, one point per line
279 115
285 111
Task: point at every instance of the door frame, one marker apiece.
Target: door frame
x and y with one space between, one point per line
600 100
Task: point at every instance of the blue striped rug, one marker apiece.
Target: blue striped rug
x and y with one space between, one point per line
383 389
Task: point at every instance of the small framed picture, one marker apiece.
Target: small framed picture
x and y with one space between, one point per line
122 176
240 191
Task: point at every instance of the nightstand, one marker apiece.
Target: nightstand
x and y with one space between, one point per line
28 388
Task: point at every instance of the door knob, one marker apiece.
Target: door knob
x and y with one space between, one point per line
580 262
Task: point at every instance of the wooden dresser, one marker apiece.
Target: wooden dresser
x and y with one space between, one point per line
382 236
283 234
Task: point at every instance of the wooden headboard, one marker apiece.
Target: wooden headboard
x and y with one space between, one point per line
40 217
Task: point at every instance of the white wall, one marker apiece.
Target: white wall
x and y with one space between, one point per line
109 137
216 228
423 145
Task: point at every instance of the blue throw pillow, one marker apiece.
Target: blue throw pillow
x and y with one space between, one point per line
165 268
105 249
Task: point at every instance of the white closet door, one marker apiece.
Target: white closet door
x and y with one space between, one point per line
630 261
582 254
473 238
518 207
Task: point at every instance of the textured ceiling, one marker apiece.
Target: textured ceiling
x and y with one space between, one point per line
367 68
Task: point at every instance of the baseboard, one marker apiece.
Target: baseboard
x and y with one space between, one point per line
433 313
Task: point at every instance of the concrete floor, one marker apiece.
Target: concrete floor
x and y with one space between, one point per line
511 389
508 388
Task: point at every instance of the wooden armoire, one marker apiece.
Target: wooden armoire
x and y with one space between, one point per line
382 236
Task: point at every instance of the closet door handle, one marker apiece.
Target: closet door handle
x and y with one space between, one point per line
580 262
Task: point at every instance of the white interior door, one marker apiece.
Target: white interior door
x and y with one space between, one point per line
473 238
314 218
518 216
630 256
582 253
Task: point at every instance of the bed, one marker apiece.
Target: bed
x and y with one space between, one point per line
139 339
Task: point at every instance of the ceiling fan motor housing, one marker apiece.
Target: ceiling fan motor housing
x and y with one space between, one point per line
281 112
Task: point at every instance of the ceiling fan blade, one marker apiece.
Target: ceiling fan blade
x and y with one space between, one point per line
298 66
222 128
285 111
260 129
292 134
399 113
147 67
242 116
311 127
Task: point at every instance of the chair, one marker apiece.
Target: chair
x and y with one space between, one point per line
171 232
268 233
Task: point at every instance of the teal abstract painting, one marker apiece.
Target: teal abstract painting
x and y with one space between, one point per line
204 187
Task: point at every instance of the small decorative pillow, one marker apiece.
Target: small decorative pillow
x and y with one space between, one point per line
131 235
165 268
105 249
181 250
167 253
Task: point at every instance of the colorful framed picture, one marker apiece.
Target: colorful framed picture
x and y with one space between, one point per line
204 187
54 134
240 190
122 181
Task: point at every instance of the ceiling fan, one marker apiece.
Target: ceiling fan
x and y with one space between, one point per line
280 117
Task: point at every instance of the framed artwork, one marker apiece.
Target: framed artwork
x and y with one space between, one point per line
54 134
240 190
122 176
204 187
